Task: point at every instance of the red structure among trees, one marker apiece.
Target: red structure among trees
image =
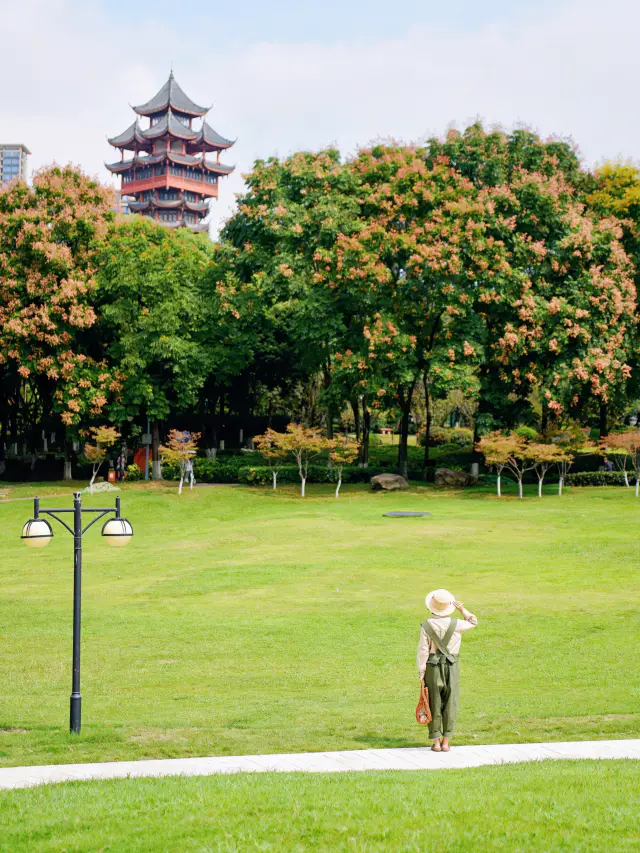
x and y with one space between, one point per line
170 177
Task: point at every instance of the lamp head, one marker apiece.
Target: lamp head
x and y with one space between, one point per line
117 531
37 533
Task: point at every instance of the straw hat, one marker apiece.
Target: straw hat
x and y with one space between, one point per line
440 602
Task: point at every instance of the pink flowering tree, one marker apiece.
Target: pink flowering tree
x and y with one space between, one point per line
48 233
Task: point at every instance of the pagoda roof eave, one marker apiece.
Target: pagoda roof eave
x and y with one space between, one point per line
131 135
171 96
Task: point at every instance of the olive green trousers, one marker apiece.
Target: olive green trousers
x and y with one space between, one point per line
441 680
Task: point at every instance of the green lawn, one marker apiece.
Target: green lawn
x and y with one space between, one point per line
550 807
245 621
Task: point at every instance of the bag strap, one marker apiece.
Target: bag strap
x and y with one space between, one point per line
443 642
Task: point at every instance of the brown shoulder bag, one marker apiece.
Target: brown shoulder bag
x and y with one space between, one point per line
423 712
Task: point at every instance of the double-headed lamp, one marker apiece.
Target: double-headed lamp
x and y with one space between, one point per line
37 533
117 531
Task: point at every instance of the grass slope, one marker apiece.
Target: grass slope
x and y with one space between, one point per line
247 621
555 807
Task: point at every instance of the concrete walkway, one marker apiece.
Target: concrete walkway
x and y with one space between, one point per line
322 762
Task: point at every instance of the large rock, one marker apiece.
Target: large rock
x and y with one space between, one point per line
456 479
388 482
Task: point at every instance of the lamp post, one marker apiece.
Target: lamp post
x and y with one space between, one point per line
37 533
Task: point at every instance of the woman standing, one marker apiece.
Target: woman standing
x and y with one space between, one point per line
438 655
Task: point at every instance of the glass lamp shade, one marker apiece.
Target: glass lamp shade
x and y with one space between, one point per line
37 533
117 531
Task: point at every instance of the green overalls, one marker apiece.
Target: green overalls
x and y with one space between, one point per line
441 680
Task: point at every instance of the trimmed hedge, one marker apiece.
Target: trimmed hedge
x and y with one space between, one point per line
597 478
260 475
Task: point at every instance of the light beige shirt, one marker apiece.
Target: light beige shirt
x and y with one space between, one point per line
427 647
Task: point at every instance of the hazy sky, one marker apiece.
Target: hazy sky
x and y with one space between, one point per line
289 74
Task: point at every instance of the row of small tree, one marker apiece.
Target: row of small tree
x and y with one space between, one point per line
519 454
304 444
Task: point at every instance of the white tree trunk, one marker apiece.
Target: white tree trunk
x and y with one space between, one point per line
626 480
339 484
180 485
539 487
68 475
156 469
191 481
637 485
560 485
274 474
304 483
499 485
93 479
520 488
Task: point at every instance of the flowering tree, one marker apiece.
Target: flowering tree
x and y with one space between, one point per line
304 444
624 446
47 268
506 450
104 437
572 439
545 456
272 445
427 252
342 451
181 448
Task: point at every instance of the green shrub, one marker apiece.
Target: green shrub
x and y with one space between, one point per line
133 473
597 478
527 432
260 475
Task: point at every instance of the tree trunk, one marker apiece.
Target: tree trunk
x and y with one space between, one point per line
67 474
339 483
93 478
156 465
626 480
427 428
303 482
181 482
560 484
329 412
539 487
498 482
405 404
274 474
604 432
637 484
544 419
355 406
366 429
520 488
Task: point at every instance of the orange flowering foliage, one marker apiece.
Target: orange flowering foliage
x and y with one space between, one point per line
429 249
47 235
570 329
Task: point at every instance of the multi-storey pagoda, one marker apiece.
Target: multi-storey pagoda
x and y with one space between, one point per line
170 177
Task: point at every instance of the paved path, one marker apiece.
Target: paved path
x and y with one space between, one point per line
322 762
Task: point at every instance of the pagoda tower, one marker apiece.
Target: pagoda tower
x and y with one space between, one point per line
169 176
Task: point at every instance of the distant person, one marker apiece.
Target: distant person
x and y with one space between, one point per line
188 473
438 667
121 464
608 465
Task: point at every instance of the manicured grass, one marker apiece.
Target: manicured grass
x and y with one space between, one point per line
551 807
246 621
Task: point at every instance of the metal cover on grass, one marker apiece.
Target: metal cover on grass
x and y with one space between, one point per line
405 514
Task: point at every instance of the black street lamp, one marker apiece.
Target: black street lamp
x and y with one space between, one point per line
37 533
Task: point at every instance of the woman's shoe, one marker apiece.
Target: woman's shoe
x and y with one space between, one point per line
436 747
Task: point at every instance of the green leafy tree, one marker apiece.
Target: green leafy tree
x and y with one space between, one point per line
151 308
